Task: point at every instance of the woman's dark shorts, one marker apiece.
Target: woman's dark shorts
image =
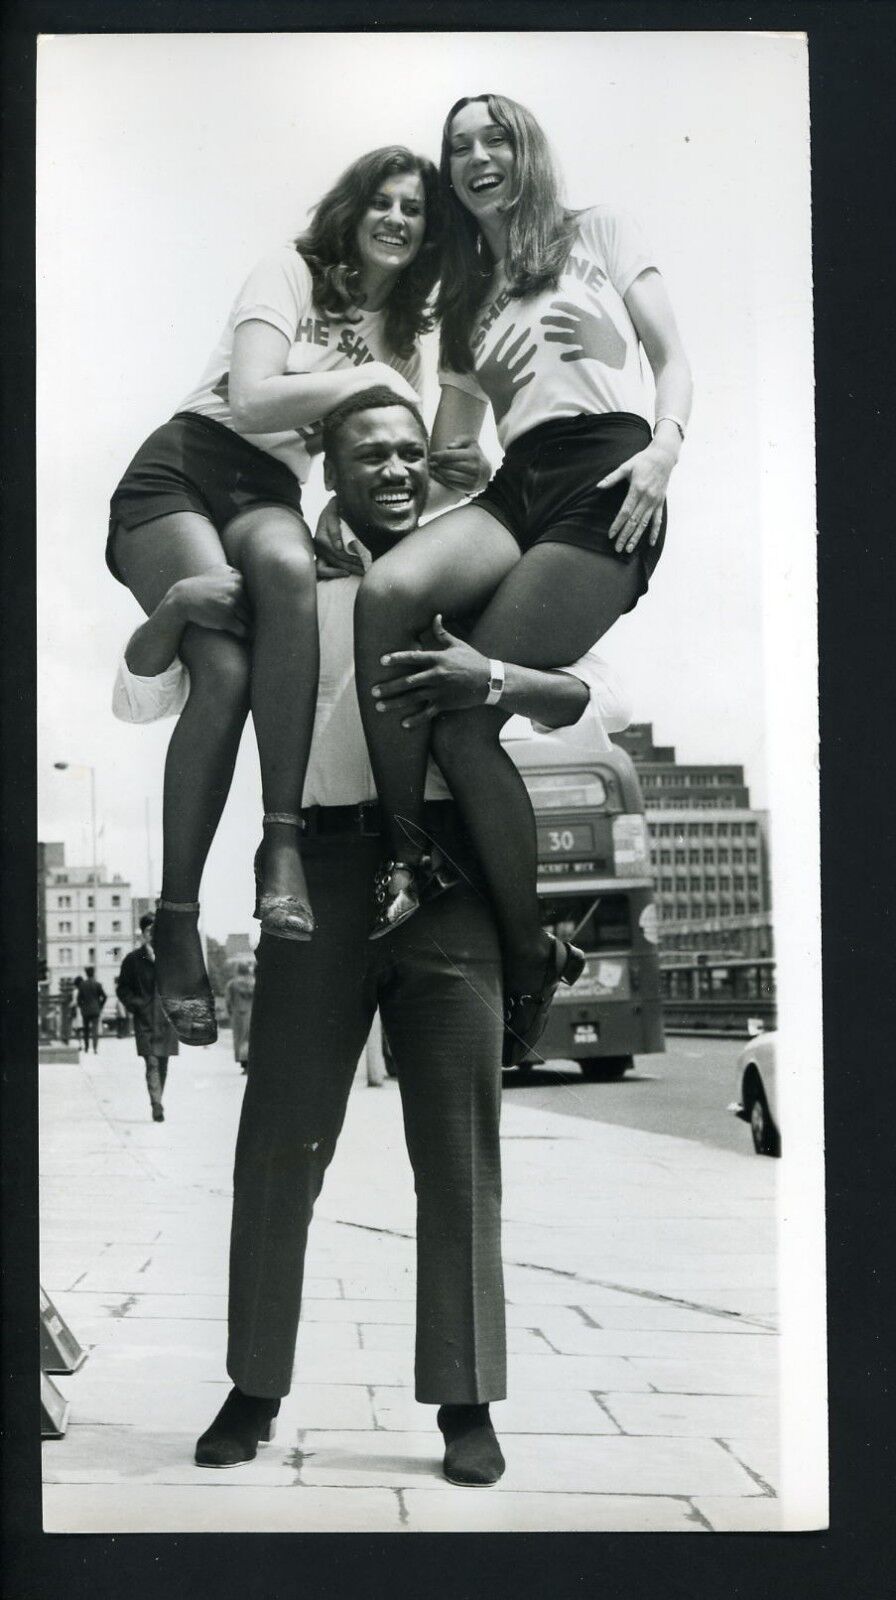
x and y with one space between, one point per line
193 463
544 491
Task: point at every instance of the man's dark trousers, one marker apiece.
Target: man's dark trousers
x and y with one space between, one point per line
437 981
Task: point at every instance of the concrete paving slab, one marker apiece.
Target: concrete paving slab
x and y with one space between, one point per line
754 1418
232 1507
707 1376
731 1514
460 1511
642 1314
673 1345
97 1303
758 1451
607 1373
542 1464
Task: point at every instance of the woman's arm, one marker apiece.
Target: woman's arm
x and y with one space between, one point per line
649 471
458 468
265 398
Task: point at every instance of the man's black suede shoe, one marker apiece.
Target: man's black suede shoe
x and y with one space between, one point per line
472 1452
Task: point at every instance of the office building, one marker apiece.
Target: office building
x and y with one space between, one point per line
84 919
709 852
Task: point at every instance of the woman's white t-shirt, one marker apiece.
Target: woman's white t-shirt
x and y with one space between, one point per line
569 350
279 291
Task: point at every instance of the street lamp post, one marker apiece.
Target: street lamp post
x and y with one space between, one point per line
65 766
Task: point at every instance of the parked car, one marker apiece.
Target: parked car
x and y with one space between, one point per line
755 1089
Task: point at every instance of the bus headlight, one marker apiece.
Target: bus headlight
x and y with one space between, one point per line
631 855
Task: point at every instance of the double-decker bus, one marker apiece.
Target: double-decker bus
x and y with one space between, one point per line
595 888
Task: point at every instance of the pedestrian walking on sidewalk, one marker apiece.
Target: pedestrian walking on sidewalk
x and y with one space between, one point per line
154 1036
238 999
91 999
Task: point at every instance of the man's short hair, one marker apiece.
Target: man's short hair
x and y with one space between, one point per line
89 971
376 398
147 920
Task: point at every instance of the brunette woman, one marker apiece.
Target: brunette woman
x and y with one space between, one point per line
209 512
544 315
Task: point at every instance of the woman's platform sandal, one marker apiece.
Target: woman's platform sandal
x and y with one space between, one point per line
526 1015
286 916
192 1016
400 889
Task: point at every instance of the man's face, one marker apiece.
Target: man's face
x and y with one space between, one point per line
380 472
148 933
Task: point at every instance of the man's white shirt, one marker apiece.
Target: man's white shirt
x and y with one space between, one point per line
339 771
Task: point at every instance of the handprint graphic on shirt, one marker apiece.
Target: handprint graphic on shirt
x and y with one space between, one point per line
501 372
591 335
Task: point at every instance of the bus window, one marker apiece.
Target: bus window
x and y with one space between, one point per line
552 791
595 923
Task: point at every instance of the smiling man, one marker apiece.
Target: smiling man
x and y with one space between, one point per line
437 983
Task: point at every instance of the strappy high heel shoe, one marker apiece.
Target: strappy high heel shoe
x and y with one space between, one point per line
401 889
192 1016
526 1015
286 916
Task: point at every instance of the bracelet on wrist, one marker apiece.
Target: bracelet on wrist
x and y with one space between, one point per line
496 677
676 421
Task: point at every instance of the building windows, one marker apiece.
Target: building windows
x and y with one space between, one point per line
116 927
694 856
90 901
737 855
117 952
736 830
116 900
65 901
65 954
91 927
723 830
665 858
723 853
65 927
91 952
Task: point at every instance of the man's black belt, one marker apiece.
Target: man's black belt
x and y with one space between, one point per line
367 819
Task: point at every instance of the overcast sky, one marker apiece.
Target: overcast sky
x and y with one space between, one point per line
168 164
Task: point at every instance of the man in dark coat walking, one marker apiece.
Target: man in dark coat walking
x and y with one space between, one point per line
154 1036
91 999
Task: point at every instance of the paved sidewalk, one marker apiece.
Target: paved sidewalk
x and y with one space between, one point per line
640 1276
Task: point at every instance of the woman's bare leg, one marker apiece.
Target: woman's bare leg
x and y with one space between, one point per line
203 747
452 565
271 545
555 604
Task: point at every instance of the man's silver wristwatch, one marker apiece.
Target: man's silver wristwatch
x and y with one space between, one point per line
495 682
